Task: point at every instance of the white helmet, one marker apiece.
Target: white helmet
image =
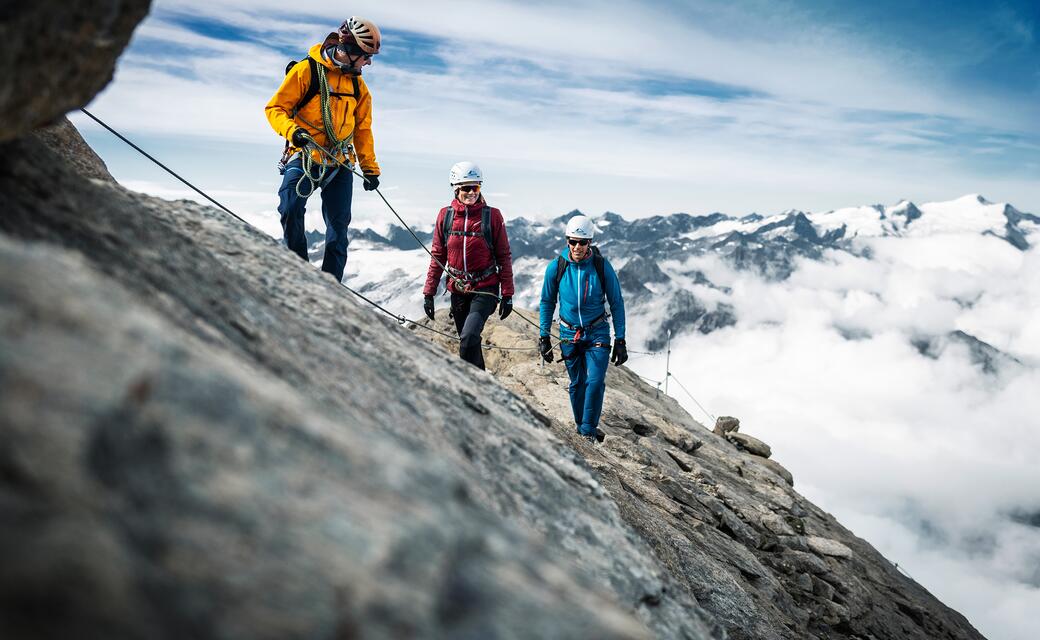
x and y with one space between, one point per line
465 173
580 227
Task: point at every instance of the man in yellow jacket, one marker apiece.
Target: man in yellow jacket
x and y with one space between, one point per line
325 98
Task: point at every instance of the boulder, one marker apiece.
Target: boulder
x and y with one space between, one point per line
752 445
59 55
726 424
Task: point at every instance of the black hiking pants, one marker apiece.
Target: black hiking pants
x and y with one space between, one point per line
470 311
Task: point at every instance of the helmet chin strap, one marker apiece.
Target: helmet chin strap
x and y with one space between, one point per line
347 67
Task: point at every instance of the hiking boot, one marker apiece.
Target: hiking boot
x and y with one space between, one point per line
600 435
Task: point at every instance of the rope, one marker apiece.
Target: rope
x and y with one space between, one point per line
399 318
683 387
164 167
337 146
903 571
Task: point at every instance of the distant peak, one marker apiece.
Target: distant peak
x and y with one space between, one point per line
610 216
974 197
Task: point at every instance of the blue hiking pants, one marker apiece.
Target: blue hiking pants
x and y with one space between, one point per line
587 368
336 194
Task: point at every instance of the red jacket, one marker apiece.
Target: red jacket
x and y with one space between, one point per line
470 253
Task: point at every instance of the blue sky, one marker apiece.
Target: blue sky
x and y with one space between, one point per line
638 108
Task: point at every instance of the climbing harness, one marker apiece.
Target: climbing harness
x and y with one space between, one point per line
466 281
579 330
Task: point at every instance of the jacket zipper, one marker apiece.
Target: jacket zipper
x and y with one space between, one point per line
580 321
465 240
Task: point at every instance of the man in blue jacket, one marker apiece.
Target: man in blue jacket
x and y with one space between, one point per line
584 282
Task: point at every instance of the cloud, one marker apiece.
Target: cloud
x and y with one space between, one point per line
707 116
925 457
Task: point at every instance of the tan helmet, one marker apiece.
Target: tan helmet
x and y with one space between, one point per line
361 32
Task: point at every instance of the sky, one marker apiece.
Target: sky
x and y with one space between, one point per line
637 108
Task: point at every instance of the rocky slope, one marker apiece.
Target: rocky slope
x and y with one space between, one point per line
722 516
202 436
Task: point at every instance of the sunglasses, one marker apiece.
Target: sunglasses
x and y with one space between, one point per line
469 188
580 242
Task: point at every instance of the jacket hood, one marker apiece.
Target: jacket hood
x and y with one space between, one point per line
315 52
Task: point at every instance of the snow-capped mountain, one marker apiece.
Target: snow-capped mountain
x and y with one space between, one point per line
677 271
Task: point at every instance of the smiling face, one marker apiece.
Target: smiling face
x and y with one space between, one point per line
467 194
579 248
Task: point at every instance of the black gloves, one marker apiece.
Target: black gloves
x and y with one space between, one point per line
545 348
427 306
298 139
620 354
371 182
505 307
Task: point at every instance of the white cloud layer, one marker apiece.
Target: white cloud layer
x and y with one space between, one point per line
925 458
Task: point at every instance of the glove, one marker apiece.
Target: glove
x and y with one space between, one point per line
371 182
505 307
620 354
298 140
545 348
427 306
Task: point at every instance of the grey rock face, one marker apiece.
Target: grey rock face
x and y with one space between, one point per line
65 140
728 525
59 55
269 466
156 486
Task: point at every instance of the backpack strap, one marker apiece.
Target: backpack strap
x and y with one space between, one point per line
597 264
485 226
312 88
447 221
561 268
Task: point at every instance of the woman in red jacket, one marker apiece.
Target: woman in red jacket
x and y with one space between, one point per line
470 240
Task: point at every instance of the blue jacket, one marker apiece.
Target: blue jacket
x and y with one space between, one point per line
581 296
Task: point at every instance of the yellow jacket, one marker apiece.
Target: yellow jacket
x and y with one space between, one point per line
350 114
